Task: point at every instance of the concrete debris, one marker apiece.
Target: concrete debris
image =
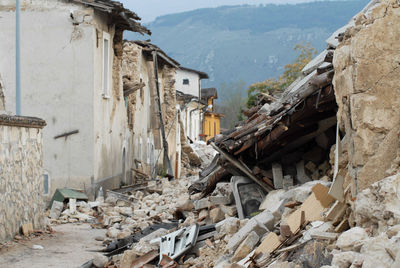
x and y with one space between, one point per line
37 247
99 260
246 246
350 238
378 207
56 209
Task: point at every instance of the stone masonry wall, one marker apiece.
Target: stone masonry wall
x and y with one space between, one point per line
170 116
21 174
367 86
2 104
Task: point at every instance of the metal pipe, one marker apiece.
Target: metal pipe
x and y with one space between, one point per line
17 60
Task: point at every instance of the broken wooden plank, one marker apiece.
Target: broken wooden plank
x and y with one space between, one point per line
337 209
324 235
342 226
242 168
313 207
269 244
292 247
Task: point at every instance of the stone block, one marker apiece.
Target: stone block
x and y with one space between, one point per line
216 215
127 258
250 226
344 259
266 218
220 200
301 173
287 182
229 210
246 246
228 226
348 239
277 175
201 204
99 260
56 209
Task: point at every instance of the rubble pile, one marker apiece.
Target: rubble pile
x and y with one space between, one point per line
282 191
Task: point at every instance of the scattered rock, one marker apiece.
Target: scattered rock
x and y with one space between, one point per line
37 247
379 205
99 260
229 210
216 215
228 226
376 251
344 259
348 239
56 209
112 232
250 226
127 258
201 204
246 246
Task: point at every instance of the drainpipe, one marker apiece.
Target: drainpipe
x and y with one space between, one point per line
17 60
198 107
165 143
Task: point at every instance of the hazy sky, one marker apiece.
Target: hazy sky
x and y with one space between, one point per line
148 10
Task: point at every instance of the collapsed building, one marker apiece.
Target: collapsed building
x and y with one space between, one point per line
310 179
297 184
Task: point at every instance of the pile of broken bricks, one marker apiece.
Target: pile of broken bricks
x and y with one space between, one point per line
221 237
299 227
162 225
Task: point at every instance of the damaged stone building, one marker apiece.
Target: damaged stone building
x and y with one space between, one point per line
188 85
71 56
310 179
142 61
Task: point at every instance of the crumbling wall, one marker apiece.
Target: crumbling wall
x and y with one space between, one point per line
131 74
2 104
21 174
170 115
367 87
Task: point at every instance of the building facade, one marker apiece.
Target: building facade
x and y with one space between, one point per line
188 83
71 57
212 120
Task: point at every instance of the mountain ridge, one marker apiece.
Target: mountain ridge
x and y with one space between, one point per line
247 43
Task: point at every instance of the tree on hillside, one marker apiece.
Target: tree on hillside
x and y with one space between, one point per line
231 103
291 72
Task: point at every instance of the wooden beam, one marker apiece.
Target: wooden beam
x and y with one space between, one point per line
242 168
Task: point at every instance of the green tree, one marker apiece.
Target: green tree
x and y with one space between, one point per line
291 72
231 102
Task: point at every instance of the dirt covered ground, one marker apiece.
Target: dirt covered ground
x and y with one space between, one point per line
69 246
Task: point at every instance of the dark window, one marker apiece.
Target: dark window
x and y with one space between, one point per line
186 81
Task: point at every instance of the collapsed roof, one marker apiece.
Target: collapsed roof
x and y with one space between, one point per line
123 17
149 47
282 131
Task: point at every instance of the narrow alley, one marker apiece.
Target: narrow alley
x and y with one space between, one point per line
121 157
